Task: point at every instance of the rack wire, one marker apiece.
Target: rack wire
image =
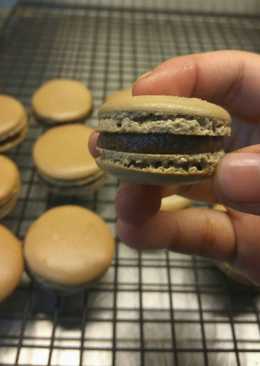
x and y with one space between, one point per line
152 308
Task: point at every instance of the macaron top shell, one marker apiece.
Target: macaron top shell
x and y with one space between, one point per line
62 100
12 115
9 179
62 153
11 262
171 105
69 245
117 95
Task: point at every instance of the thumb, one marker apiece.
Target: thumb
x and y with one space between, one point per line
237 181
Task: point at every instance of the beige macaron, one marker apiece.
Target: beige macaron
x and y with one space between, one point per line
174 203
68 248
62 100
156 139
10 185
13 123
11 262
64 162
119 94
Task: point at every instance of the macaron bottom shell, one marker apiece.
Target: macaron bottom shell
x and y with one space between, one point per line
8 207
11 262
13 140
79 188
159 169
59 288
48 122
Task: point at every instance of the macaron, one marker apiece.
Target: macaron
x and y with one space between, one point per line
68 248
174 203
61 101
13 123
120 94
10 185
11 262
161 139
64 163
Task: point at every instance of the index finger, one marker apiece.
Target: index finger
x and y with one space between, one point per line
228 78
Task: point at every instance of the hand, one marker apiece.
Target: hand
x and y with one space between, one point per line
230 79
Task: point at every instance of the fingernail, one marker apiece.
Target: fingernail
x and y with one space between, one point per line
238 178
145 75
92 144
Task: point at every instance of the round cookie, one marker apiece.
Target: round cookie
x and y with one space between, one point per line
161 139
13 123
119 94
68 248
64 162
10 186
11 262
174 203
61 101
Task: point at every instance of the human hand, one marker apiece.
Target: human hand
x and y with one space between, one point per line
230 79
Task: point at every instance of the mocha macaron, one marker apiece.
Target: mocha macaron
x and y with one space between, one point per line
119 94
10 185
13 123
175 203
64 162
60 101
68 248
11 262
161 139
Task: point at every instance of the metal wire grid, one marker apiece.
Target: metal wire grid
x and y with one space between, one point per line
202 6
150 308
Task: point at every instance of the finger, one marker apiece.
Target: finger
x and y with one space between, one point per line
232 237
92 144
136 203
191 231
228 78
237 180
235 184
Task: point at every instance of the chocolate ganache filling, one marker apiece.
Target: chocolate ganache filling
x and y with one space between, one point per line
152 143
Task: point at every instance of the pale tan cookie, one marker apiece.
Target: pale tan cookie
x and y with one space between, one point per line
64 162
13 123
11 262
119 94
174 203
62 100
10 185
68 248
160 139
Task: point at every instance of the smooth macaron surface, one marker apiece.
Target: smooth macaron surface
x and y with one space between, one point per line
11 262
13 122
62 153
118 94
62 100
69 246
10 181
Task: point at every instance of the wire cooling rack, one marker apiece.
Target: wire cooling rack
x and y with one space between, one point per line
151 308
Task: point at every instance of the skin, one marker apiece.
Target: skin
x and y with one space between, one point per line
232 80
